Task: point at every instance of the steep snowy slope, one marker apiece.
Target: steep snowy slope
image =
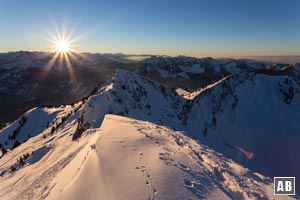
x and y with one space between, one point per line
127 159
27 170
256 112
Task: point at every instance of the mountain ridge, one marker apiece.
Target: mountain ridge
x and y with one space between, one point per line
28 80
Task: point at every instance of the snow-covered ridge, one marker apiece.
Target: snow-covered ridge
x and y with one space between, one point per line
134 96
195 93
126 159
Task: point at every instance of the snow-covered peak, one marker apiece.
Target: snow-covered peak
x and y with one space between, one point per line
134 96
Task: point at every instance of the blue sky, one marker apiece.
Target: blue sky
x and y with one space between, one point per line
193 27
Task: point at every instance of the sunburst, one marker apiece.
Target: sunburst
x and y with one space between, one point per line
63 52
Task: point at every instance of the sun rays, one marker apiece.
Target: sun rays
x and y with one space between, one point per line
62 53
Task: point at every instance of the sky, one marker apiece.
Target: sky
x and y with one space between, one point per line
217 28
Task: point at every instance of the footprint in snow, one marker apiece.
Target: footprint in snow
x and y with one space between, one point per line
166 158
188 183
152 191
183 167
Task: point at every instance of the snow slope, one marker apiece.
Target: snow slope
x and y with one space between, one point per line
127 159
258 113
32 123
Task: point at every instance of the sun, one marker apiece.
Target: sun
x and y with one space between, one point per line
62 53
63 46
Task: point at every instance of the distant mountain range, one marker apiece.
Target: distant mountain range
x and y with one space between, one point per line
292 59
27 81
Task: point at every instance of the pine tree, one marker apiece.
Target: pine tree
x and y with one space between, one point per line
3 150
21 161
12 168
16 144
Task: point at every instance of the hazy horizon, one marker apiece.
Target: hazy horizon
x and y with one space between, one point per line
262 58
